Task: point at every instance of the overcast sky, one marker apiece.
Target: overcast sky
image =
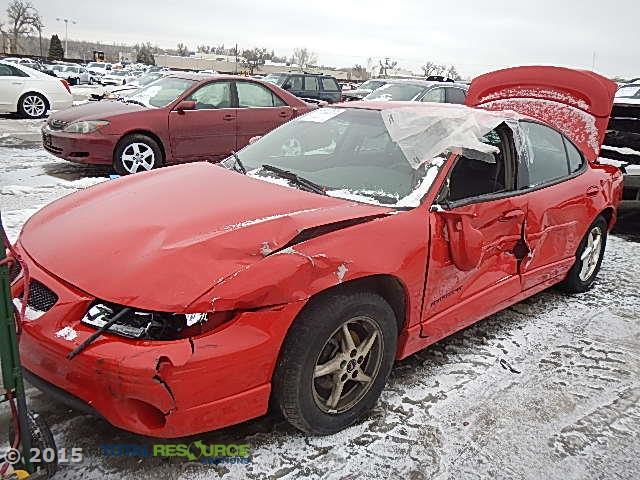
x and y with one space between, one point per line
476 36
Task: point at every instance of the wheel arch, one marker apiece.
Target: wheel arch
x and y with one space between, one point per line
389 287
609 215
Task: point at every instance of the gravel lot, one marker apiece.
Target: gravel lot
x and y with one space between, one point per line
568 409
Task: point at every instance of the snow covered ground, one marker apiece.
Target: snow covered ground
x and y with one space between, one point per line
568 408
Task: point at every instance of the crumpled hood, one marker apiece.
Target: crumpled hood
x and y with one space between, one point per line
161 239
96 111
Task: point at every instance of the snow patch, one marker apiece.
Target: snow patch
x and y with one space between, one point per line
67 333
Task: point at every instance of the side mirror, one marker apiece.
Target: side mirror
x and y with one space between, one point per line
254 139
465 241
185 105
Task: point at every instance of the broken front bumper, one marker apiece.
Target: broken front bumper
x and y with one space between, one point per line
157 388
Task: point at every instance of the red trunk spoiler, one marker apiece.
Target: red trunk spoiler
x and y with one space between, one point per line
578 103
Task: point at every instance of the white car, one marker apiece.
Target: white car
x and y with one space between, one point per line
99 68
117 77
75 75
31 93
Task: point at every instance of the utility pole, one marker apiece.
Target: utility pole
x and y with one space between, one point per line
594 61
66 34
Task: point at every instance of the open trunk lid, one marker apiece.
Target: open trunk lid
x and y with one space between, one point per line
577 103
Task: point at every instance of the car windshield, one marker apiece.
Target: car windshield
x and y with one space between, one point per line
162 92
146 79
275 78
348 151
631 91
371 84
396 92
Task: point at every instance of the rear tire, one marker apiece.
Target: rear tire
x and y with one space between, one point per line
323 382
137 153
32 105
588 259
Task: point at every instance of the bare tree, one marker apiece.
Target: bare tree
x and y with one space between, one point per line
360 72
303 57
183 50
3 37
432 68
254 58
387 65
23 20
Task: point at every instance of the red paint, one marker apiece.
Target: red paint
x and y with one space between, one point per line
183 136
204 243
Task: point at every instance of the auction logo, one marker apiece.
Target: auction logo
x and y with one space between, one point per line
196 451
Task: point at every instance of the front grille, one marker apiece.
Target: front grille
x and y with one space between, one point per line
41 298
14 271
52 149
57 124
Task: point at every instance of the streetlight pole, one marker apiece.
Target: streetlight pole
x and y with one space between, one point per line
66 33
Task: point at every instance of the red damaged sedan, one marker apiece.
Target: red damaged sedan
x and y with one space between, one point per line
179 118
295 272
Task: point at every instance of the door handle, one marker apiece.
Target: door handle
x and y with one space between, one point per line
510 215
593 190
285 114
228 117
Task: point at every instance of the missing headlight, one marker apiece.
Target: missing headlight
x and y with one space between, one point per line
150 325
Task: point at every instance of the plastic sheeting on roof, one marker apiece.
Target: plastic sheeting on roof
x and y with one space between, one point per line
424 133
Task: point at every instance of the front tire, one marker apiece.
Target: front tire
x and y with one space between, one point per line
588 259
136 153
32 105
335 361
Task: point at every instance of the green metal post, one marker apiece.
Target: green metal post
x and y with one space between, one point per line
10 360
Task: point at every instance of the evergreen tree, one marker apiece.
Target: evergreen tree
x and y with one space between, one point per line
56 52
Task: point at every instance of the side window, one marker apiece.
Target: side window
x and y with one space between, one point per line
6 71
547 155
296 82
476 174
455 95
254 95
311 83
434 95
575 158
330 85
212 95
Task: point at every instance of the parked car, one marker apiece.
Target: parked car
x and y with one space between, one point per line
117 77
622 143
178 118
363 90
131 87
308 85
295 277
99 68
75 74
31 93
42 68
419 91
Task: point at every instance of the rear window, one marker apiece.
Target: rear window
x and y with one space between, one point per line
396 92
329 84
632 91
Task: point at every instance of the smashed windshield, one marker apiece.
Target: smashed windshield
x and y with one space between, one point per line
388 157
162 92
396 92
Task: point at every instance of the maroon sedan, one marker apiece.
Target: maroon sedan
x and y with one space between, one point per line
178 118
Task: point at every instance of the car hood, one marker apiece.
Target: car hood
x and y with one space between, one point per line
161 239
96 111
